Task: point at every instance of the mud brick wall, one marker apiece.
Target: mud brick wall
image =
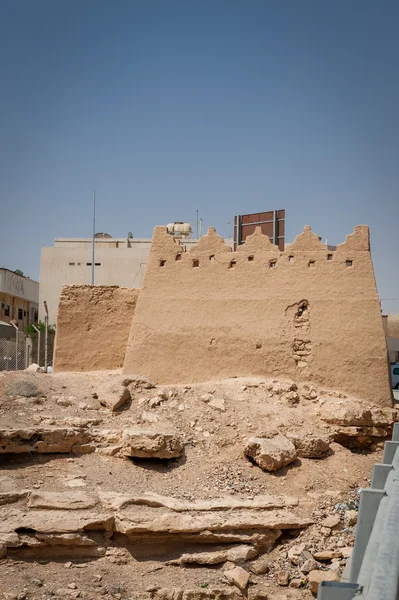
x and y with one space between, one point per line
308 313
93 324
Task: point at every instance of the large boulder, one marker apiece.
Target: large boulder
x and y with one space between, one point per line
151 444
271 452
310 444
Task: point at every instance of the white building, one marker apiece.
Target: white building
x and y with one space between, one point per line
19 297
117 261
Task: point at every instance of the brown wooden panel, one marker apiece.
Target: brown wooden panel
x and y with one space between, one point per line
267 229
247 230
281 228
281 244
250 218
281 214
266 216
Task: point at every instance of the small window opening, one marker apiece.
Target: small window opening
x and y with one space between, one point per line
232 264
291 259
349 263
24 313
195 263
162 263
71 264
212 257
97 264
7 310
20 314
178 256
312 263
79 264
88 265
251 257
329 256
272 264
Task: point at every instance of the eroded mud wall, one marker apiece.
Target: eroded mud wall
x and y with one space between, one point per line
308 313
93 326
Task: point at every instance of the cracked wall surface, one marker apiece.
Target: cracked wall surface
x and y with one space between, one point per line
308 313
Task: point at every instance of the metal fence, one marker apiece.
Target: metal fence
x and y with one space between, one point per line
14 353
374 564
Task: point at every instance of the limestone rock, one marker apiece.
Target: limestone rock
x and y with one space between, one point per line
217 404
234 554
316 577
113 396
260 566
41 439
207 397
64 500
295 552
34 368
282 578
258 592
238 576
310 444
350 518
149 444
328 554
331 521
271 453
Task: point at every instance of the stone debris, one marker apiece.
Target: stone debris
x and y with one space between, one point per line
282 578
234 554
238 577
259 566
350 518
34 368
316 577
271 453
114 396
217 404
331 521
149 444
310 444
42 439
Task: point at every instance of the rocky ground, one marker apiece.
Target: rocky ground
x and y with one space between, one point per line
112 487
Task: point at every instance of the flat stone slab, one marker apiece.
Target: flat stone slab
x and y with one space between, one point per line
150 444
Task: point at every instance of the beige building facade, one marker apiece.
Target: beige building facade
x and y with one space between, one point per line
19 298
391 327
117 261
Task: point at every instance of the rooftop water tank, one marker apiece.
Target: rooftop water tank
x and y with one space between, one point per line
179 229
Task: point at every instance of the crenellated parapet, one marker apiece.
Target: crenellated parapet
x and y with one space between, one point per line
309 313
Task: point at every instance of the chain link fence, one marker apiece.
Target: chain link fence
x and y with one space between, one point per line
14 353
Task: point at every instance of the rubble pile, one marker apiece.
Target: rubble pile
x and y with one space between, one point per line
114 487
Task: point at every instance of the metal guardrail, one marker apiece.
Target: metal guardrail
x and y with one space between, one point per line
374 564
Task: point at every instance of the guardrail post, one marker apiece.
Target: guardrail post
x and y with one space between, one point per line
379 477
334 590
389 452
368 507
395 432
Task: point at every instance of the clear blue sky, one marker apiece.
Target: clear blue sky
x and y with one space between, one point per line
225 106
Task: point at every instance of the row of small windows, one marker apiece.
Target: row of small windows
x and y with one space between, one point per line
72 264
6 310
232 264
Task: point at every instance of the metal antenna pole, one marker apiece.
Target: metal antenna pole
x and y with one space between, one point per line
45 337
197 224
94 232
